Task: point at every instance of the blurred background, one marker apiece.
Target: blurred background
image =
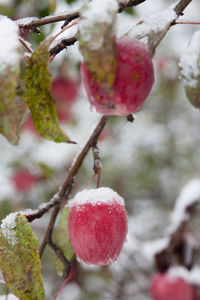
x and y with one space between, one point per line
147 162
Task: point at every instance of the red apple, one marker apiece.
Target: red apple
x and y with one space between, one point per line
23 180
168 287
97 225
65 92
29 126
133 80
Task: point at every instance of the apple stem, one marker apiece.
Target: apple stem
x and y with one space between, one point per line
98 177
65 283
90 180
23 42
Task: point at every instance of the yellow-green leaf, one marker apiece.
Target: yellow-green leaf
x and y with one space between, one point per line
19 259
13 109
38 95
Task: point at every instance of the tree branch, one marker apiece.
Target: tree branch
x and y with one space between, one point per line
67 185
123 6
48 20
69 16
180 7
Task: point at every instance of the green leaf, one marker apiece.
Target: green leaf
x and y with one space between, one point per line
19 259
97 40
61 239
13 109
38 95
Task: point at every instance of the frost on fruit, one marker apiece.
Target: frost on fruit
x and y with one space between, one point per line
190 69
133 81
97 225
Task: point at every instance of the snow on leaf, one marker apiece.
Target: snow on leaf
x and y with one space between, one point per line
9 50
38 95
61 239
190 69
19 259
97 39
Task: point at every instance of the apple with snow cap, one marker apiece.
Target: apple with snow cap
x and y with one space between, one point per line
133 80
97 225
170 287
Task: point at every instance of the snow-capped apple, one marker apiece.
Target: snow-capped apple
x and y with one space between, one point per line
167 287
65 92
23 180
97 225
133 81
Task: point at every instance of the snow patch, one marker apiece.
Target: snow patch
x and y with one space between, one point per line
9 50
8 226
96 197
190 61
9 297
26 21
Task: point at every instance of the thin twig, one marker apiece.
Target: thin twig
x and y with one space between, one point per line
67 185
62 45
65 282
187 22
48 20
124 5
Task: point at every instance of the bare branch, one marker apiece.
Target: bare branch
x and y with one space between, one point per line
68 17
48 20
62 45
130 3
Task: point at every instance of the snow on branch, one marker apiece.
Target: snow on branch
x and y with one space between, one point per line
154 27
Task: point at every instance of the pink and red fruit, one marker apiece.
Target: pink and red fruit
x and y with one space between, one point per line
196 292
133 80
65 92
23 180
29 126
166 287
97 225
